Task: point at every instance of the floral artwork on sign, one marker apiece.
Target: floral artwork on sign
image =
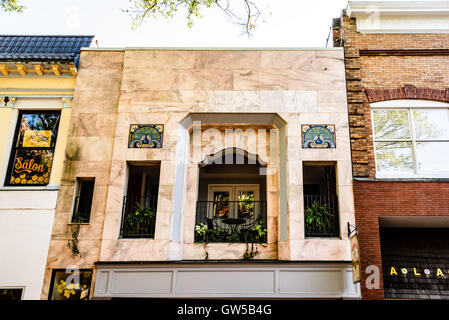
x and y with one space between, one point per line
318 136
70 284
37 139
145 136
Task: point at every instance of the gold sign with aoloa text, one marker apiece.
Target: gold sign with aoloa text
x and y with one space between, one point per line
418 272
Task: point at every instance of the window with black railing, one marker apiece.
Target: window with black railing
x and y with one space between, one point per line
231 204
140 203
231 221
139 218
321 218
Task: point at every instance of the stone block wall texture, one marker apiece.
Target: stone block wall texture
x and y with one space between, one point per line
382 67
118 88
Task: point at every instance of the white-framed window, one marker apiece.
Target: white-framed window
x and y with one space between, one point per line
411 138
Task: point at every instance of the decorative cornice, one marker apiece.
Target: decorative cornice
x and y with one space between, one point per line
407 92
366 8
37 69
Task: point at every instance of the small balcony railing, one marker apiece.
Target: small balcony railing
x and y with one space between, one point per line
138 217
81 209
321 216
231 221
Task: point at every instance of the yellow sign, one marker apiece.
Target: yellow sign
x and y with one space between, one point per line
355 256
417 273
37 139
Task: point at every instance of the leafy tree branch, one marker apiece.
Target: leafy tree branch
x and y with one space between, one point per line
11 6
244 13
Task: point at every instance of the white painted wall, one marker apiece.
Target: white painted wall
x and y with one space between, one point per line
26 220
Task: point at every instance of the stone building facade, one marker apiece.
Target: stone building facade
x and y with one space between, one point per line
397 76
219 149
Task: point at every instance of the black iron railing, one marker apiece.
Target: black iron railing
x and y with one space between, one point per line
138 217
321 216
231 221
81 209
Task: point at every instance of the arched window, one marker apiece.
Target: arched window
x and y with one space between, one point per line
411 138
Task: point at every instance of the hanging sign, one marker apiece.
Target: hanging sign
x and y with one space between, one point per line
355 257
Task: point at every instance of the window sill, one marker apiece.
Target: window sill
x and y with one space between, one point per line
322 238
26 188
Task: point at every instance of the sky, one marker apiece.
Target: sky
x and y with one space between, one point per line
287 23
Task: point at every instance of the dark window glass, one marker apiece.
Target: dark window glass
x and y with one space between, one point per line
140 202
33 149
10 294
83 200
74 285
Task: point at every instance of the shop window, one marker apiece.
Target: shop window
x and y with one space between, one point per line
411 141
11 294
70 285
83 200
33 148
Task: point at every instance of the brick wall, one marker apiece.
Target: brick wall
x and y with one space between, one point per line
379 198
388 66
419 60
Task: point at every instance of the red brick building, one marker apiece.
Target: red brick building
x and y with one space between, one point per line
397 73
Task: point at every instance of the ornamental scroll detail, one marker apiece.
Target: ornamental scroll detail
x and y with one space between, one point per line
318 136
145 136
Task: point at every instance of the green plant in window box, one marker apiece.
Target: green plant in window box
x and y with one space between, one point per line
142 218
318 218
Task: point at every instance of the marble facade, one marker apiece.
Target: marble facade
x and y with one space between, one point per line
274 91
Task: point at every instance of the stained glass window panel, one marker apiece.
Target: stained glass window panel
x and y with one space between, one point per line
394 156
431 124
391 124
145 136
318 136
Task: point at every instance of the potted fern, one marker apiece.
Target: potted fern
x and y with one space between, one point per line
318 219
142 219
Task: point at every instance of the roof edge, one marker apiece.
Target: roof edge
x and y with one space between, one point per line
213 49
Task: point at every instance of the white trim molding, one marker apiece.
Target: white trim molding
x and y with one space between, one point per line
226 280
400 16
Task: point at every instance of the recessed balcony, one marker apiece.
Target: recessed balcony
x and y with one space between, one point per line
232 204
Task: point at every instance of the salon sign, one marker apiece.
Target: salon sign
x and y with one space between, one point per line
418 272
